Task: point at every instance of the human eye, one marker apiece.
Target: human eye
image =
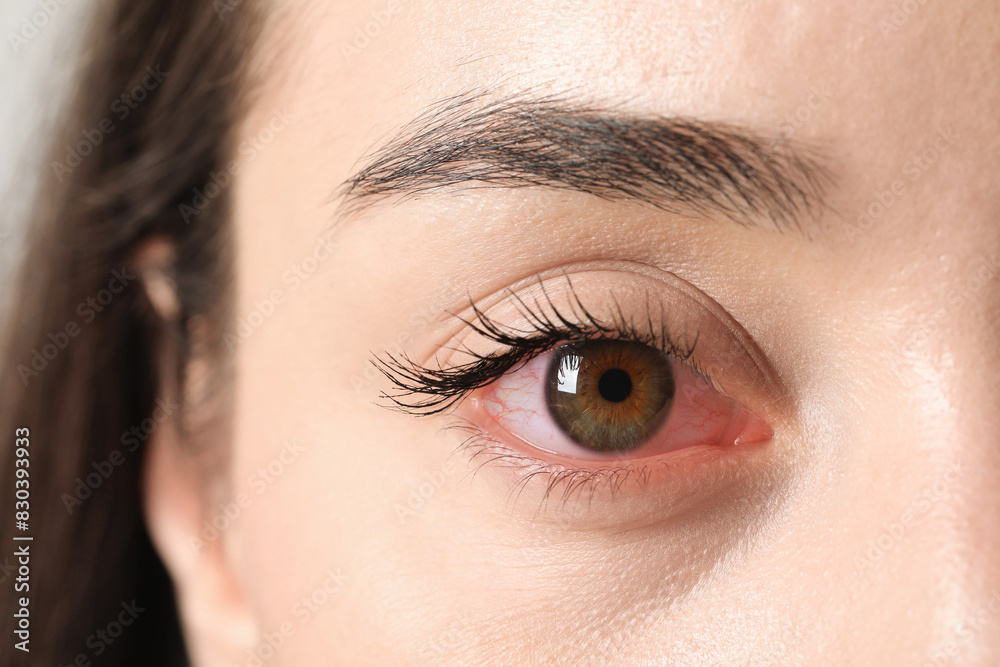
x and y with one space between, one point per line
602 400
598 382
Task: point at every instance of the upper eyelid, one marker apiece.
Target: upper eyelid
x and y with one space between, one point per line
556 325
655 306
443 387
407 376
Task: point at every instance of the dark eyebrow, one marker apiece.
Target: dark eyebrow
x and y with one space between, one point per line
679 165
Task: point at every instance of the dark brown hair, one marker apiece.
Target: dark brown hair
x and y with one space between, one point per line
80 366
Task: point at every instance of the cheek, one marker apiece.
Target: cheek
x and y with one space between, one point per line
373 497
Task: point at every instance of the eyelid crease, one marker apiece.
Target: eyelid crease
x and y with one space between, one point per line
649 490
441 387
425 390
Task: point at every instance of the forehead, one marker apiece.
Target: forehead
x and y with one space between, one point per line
681 57
868 81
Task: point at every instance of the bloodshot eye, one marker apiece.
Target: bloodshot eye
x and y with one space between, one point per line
615 399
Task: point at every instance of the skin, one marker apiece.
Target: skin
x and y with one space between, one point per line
867 531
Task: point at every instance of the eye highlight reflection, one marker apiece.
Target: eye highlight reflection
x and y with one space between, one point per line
616 399
609 395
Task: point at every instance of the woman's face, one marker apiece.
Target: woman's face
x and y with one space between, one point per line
791 211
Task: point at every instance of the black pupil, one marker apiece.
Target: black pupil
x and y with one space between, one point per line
615 385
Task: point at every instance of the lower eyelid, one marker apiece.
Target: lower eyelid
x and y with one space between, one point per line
593 496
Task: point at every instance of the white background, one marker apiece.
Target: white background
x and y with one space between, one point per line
34 77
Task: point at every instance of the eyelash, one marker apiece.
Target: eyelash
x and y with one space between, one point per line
483 447
425 391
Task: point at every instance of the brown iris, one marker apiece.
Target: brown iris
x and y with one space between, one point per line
609 395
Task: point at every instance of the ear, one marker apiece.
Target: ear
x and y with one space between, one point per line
219 627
